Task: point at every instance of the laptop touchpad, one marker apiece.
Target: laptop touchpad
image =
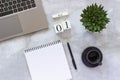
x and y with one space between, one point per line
10 26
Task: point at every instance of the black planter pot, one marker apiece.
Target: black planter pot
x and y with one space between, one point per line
92 57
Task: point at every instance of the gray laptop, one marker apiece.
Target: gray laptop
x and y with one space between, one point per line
18 17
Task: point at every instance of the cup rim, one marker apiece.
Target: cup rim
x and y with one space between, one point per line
95 62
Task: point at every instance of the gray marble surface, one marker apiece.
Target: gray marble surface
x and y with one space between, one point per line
12 61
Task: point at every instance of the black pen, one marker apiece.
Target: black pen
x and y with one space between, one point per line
73 61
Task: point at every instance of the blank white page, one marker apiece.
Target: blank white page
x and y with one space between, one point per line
48 63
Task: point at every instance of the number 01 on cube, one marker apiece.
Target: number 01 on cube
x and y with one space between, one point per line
64 26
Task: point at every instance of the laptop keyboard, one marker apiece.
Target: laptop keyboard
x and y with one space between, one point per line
12 6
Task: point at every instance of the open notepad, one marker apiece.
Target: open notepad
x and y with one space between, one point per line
48 62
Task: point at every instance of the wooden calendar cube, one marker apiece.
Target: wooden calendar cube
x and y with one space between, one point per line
58 28
66 25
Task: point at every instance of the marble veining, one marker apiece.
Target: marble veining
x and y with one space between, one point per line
12 61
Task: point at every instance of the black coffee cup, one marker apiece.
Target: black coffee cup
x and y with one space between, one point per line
92 57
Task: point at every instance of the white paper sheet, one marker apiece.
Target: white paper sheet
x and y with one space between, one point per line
48 63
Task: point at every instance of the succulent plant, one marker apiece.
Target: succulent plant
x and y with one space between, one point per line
94 18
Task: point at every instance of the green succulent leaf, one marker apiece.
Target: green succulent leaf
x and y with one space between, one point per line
94 18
